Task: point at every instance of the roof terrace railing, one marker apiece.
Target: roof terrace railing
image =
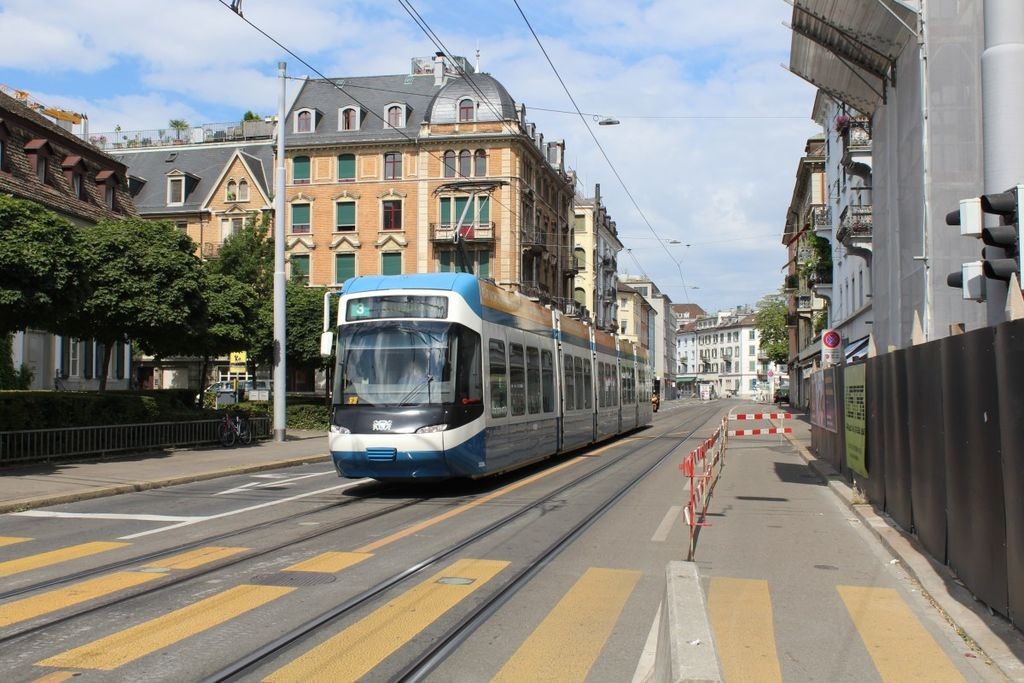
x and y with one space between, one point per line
169 137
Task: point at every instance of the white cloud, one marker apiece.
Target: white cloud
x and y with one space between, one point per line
699 180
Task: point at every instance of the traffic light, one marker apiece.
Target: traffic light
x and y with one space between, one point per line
1002 256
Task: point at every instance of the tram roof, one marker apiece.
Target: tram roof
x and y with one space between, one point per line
464 284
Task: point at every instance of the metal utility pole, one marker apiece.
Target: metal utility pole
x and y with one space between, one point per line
1002 98
280 375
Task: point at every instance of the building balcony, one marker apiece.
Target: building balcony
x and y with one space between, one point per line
792 282
471 232
856 137
821 221
533 239
856 224
535 290
803 255
820 282
805 302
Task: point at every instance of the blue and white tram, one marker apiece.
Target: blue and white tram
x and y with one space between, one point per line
445 375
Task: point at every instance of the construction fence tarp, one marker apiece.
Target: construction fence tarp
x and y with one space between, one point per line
944 449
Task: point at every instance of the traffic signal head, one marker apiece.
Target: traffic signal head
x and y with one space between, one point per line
968 217
1001 257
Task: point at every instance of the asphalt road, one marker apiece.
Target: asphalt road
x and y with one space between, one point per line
177 583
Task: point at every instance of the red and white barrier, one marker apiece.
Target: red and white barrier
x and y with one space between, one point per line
760 431
702 466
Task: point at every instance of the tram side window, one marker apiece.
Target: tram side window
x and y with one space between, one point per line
578 368
588 385
569 389
469 387
547 381
532 380
499 379
516 379
601 385
627 371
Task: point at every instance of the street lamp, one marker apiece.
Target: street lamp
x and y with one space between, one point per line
606 120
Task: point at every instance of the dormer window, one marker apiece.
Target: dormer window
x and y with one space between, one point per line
107 181
395 116
467 110
348 119
38 152
176 191
304 121
243 190
231 194
74 172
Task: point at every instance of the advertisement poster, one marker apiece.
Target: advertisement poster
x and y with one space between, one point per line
818 399
856 419
830 400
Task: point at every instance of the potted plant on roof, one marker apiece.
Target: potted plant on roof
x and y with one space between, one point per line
178 125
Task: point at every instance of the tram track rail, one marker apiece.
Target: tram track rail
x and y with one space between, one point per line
431 658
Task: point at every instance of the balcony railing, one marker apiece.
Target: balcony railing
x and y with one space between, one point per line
821 218
533 239
167 137
822 276
856 223
857 133
805 303
471 232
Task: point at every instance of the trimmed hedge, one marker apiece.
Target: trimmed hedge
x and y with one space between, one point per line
300 415
55 409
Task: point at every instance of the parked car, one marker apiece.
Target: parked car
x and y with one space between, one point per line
782 394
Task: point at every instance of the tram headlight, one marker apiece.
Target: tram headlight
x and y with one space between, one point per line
338 429
430 429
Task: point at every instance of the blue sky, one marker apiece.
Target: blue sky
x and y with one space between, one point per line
712 127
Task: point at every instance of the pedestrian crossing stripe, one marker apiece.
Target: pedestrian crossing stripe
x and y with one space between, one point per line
354 652
740 611
569 640
11 540
900 647
123 647
53 557
92 589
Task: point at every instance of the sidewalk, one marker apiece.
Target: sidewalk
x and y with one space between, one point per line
1003 644
35 486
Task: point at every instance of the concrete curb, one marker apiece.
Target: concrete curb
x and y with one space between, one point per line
686 648
132 487
994 639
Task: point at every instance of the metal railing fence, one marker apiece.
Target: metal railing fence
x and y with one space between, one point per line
34 445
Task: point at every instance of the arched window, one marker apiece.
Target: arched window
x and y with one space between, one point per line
394 116
304 122
464 163
581 258
349 119
480 163
243 190
449 164
580 295
232 191
467 109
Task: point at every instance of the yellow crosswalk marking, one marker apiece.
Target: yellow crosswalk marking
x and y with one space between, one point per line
11 540
329 562
355 651
38 605
107 654
741 618
52 557
899 645
195 558
45 603
567 643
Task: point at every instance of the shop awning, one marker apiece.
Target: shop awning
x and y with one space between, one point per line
686 379
856 351
849 49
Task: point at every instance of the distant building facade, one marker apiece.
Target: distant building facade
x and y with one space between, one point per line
595 254
661 331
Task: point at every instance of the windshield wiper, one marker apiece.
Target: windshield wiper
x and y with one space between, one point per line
419 387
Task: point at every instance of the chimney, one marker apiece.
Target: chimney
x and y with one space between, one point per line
439 69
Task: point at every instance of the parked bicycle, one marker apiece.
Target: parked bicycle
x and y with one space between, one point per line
234 428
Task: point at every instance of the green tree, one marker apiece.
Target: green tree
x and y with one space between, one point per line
227 325
178 125
770 322
144 283
251 116
41 272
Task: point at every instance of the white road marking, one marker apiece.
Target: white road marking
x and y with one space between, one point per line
106 515
277 480
340 487
645 667
666 524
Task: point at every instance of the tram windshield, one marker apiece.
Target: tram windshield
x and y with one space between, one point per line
408 363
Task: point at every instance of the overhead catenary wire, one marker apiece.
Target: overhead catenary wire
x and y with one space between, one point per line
597 142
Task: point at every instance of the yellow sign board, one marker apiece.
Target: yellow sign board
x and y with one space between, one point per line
238 361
